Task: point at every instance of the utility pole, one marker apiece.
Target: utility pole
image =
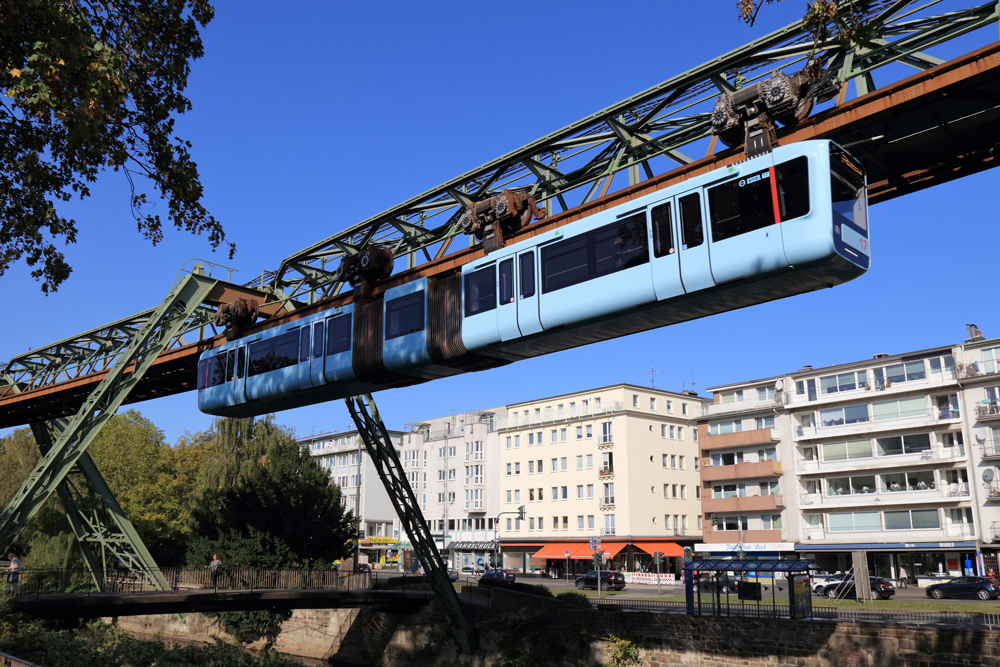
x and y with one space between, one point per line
357 508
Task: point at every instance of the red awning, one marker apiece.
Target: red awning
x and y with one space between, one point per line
612 548
668 549
558 549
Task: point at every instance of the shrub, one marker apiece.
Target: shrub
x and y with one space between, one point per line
530 589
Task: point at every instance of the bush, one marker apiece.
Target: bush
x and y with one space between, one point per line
530 589
574 598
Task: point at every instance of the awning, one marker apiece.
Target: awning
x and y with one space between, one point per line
612 548
558 549
750 565
668 549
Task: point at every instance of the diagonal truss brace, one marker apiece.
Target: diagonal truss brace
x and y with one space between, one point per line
404 500
69 449
105 535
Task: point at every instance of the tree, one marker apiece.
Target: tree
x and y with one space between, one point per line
90 85
825 19
264 502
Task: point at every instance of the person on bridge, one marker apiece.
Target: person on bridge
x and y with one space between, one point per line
215 569
13 575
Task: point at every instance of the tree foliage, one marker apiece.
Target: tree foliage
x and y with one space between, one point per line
825 20
264 502
89 86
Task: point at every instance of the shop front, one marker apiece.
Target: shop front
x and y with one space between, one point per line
471 557
379 552
634 558
923 563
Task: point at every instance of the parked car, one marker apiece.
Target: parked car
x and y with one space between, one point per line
821 580
881 589
983 588
452 574
609 580
497 573
725 583
364 567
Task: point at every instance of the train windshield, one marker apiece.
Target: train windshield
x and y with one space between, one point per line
847 185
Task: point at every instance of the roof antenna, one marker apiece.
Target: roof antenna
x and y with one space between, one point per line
652 374
684 383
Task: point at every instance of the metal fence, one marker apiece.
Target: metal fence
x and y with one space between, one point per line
50 581
11 661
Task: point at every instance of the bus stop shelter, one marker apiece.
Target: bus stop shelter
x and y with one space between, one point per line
766 588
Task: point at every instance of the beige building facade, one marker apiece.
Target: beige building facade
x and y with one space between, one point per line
618 463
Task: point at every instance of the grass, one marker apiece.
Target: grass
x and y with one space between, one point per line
879 605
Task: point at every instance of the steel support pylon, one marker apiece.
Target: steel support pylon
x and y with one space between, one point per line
106 537
404 500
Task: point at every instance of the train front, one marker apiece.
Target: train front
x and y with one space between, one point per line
849 199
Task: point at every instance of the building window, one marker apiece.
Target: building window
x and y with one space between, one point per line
508 469
663 430
590 461
723 428
562 464
670 406
673 461
665 458
765 422
554 435
579 491
851 414
555 493
652 404
517 468
555 465
694 436
565 493
697 493
539 465
731 396
562 435
666 490
531 467
666 521
579 433
672 433
508 524
590 491
541 523
680 432
517 442
635 400
590 431
565 523
699 522
590 521
560 410
517 524
674 489
579 522
517 495
531 495
683 492
531 523
579 462
540 498
572 407
531 439
765 394
684 408
508 496
684 522
681 462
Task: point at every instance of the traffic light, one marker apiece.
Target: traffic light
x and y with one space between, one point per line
520 513
657 557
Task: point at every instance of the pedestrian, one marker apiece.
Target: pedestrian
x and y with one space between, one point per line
989 573
13 575
215 569
902 577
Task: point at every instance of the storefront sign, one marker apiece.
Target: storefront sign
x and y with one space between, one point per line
747 546
377 541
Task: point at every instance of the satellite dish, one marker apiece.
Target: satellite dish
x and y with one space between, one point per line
988 475
980 439
779 385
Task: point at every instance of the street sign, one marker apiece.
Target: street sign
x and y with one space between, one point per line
567 553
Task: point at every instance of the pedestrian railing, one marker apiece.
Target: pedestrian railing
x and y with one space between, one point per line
11 661
51 581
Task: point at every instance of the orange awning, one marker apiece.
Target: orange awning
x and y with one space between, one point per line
612 548
668 549
558 549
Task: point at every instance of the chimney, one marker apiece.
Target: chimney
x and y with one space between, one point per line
973 333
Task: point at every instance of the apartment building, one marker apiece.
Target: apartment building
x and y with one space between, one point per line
453 465
344 456
619 463
871 455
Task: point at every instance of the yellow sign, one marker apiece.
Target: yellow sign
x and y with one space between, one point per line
379 540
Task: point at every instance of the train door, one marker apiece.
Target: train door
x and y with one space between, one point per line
239 395
305 353
507 308
316 358
696 269
666 260
528 320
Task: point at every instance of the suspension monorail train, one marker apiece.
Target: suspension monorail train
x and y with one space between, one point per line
788 222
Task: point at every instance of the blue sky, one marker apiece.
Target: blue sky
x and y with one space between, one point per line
310 119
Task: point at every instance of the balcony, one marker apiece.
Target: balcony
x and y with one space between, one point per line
995 531
746 504
606 471
872 389
680 532
607 502
607 532
475 505
928 417
942 535
714 409
993 492
977 369
988 411
761 436
884 497
605 442
710 473
731 537
888 460
991 449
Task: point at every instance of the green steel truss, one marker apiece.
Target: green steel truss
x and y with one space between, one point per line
645 135
106 537
390 471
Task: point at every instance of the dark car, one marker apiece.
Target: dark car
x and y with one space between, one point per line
452 574
983 588
467 569
364 567
609 580
881 589
497 573
725 583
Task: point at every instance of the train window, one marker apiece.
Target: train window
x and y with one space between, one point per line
211 372
663 238
847 185
404 315
692 234
304 344
621 245
506 281
741 206
793 187
241 361
274 353
480 291
565 263
230 365
317 340
338 334
527 274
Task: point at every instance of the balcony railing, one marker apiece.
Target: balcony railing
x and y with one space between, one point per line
993 492
977 369
943 534
739 438
605 441
744 470
606 471
886 496
752 403
605 532
988 410
991 449
549 416
607 501
889 458
995 530
680 532
875 387
911 418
